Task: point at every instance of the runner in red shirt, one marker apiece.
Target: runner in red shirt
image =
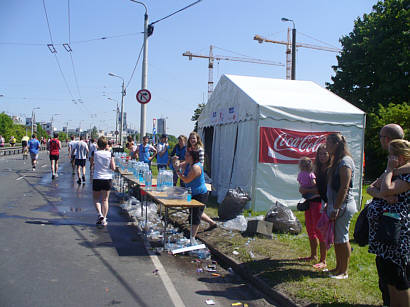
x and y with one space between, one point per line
54 146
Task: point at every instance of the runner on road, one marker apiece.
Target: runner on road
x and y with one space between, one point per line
72 151
81 158
102 179
24 143
33 147
93 148
54 146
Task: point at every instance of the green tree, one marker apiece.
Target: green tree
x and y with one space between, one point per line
94 132
373 65
375 156
6 123
197 113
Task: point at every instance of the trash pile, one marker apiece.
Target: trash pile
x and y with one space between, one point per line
278 219
153 226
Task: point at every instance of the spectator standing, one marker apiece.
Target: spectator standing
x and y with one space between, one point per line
389 231
312 215
177 156
1 141
33 147
195 143
145 151
81 159
162 156
341 204
54 147
388 133
102 179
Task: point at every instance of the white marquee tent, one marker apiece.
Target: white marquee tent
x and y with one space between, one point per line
256 129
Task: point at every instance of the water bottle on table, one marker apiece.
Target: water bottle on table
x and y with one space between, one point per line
189 195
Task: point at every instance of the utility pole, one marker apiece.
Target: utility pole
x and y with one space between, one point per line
144 75
293 74
33 118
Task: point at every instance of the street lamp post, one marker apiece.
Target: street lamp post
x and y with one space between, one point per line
144 70
116 120
293 73
52 121
32 119
122 105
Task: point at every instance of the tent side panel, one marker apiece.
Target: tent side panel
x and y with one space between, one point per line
279 181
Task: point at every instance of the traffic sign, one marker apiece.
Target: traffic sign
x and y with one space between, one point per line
143 96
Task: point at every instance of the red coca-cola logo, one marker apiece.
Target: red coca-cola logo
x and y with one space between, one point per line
288 146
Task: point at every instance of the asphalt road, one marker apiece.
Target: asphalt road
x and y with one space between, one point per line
51 253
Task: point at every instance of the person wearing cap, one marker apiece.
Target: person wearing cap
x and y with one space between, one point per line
162 156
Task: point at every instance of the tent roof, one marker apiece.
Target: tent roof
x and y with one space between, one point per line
256 97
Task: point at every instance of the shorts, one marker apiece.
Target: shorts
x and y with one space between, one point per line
54 157
312 216
197 211
80 162
392 274
24 143
34 156
342 222
102 184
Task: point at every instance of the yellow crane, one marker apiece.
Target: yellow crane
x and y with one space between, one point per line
288 44
211 58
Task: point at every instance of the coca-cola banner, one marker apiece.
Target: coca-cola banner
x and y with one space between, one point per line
282 146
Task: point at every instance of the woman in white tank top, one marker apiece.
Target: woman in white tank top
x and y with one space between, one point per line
102 179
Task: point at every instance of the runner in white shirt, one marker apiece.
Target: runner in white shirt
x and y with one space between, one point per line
72 145
81 158
102 179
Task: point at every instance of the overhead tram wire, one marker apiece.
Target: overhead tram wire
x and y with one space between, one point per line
184 8
73 42
135 66
55 54
69 50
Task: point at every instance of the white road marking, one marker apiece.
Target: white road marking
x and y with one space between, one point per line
19 178
44 165
176 299
160 270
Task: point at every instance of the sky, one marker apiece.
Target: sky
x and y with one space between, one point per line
33 77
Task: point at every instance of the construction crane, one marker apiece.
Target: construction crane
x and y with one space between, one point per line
211 58
288 44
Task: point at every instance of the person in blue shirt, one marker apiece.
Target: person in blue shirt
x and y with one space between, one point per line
193 177
34 147
162 156
178 155
144 151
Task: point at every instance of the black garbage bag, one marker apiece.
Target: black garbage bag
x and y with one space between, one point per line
233 204
283 219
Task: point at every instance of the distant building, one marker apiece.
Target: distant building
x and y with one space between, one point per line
161 126
17 119
48 127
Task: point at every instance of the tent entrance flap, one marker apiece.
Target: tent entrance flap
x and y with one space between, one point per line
208 133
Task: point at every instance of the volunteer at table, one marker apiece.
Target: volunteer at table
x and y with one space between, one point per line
193 178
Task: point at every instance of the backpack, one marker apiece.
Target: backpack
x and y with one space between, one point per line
361 229
54 147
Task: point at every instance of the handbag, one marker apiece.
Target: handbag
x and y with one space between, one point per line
361 229
303 206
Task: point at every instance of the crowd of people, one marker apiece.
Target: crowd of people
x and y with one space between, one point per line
327 183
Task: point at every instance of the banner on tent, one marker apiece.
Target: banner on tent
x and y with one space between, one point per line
282 146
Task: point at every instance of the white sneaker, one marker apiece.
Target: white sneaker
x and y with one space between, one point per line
104 222
56 175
